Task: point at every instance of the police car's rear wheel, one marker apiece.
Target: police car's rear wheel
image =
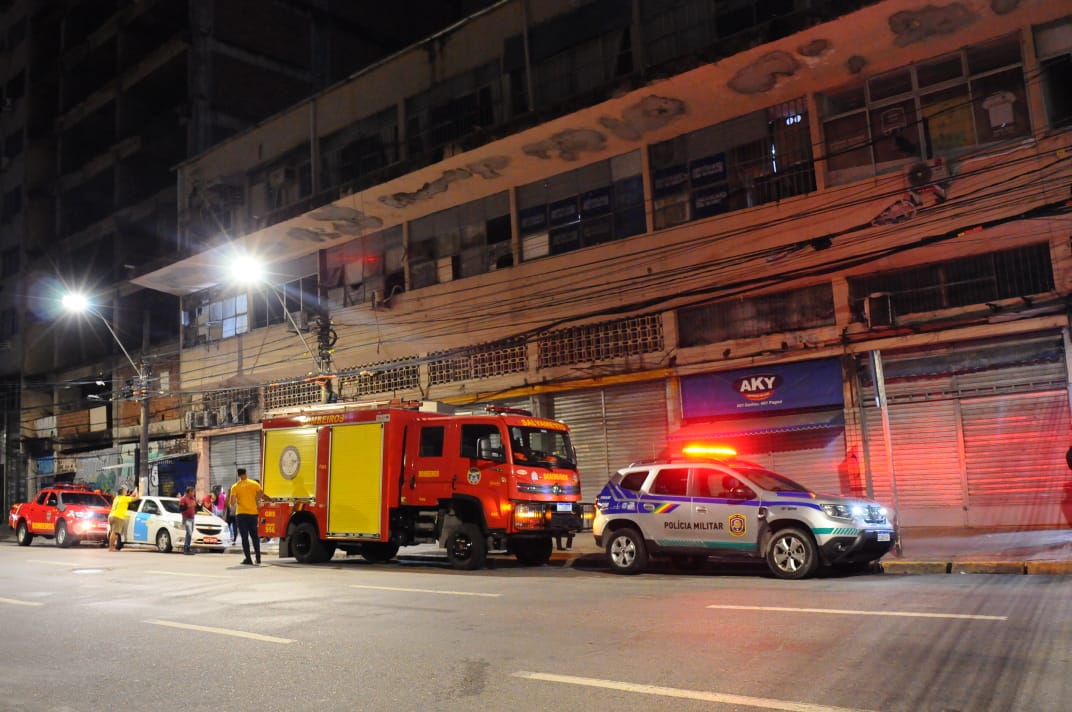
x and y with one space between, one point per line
625 551
792 554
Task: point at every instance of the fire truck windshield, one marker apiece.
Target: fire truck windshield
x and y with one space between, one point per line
542 447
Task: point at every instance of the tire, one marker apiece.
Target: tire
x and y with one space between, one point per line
23 535
307 545
792 554
163 541
533 552
625 551
466 548
64 539
379 552
688 562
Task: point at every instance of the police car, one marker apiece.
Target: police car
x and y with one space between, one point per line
714 504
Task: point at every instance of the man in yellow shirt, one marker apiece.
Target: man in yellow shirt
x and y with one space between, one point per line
117 517
247 497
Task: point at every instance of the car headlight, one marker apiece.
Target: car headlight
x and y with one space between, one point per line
837 511
82 515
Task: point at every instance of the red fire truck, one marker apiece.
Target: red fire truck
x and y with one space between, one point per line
368 480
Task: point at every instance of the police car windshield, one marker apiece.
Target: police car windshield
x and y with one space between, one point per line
770 481
542 447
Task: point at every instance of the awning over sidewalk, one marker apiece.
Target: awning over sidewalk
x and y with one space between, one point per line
755 427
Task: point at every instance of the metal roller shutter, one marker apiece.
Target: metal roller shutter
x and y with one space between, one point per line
229 452
926 461
821 469
1014 449
612 427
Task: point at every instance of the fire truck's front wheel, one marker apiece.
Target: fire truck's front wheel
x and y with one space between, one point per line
307 545
466 548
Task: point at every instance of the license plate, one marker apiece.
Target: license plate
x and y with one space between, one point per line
211 540
883 536
563 507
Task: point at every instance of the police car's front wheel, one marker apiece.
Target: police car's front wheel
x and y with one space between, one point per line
792 554
625 551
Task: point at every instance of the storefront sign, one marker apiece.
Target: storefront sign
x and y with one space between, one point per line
809 384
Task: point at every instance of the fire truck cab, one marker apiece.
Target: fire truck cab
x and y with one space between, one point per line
370 480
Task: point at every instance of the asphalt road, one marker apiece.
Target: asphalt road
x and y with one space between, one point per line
85 629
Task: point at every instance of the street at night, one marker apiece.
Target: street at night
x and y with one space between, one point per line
144 629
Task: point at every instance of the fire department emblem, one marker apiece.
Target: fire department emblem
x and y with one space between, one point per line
289 462
474 476
738 525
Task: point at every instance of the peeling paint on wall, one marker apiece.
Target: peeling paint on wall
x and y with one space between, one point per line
567 144
815 48
348 221
856 64
489 167
426 191
762 75
1004 7
911 26
650 113
303 234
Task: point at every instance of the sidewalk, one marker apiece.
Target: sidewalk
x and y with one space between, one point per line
930 550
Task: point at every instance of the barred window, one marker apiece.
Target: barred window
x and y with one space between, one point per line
978 279
756 316
288 395
483 361
598 342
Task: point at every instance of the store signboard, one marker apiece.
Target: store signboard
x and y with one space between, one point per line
759 389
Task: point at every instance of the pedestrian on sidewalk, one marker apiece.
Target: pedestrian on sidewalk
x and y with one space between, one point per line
246 495
188 509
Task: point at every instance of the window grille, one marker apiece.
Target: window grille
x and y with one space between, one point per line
756 316
598 342
288 395
483 361
379 378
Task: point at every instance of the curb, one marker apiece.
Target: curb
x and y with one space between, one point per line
1044 568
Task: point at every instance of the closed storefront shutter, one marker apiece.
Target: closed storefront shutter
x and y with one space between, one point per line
926 462
612 427
229 452
1015 456
821 468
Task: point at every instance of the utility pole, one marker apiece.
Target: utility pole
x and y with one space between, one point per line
142 470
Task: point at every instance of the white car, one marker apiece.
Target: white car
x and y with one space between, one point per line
158 521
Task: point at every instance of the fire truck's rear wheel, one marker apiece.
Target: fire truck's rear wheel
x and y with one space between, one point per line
379 551
532 552
466 548
23 535
307 545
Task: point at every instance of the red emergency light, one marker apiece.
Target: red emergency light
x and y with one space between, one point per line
701 450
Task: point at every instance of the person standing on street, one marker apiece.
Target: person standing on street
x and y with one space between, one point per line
188 508
117 517
246 496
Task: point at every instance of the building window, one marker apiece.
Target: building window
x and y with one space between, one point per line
1053 44
599 203
750 317
447 118
461 242
599 342
365 269
483 361
218 319
758 158
931 109
298 297
965 281
356 155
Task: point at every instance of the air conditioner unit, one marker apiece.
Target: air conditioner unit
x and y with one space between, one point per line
238 412
298 321
927 173
878 310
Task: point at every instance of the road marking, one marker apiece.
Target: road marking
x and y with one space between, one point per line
848 612
703 696
16 602
221 631
183 573
427 590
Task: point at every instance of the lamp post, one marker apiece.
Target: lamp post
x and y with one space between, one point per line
78 303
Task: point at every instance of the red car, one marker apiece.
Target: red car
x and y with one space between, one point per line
69 513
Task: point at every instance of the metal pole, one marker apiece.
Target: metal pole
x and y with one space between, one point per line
143 442
880 398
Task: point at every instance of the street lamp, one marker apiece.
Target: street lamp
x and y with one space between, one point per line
79 304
